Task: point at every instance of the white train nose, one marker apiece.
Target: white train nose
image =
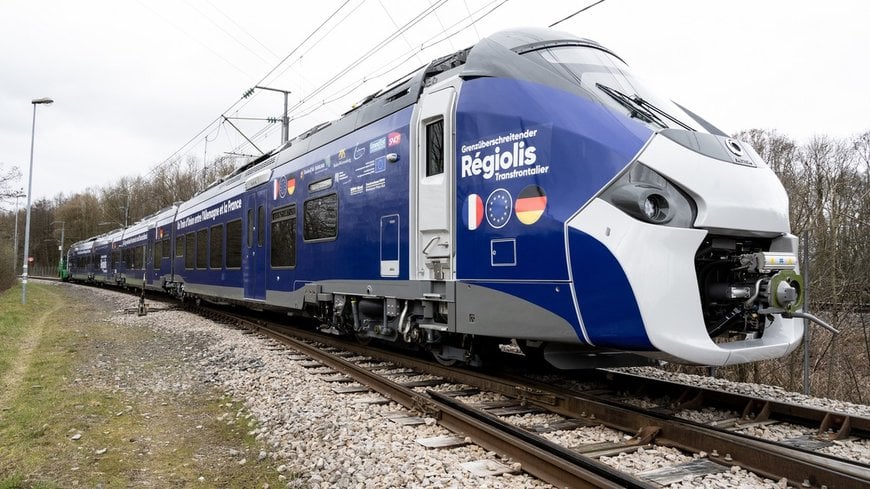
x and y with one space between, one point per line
731 198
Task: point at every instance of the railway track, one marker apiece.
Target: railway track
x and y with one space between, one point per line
452 396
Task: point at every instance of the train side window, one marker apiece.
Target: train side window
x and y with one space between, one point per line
166 244
283 238
132 258
320 221
189 251
261 226
234 244
216 253
158 253
435 148
179 246
201 249
250 227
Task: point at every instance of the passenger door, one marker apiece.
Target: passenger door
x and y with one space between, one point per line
254 252
435 185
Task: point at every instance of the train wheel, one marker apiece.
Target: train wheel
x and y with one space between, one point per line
447 362
362 339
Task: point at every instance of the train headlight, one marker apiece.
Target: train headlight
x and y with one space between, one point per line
655 208
644 194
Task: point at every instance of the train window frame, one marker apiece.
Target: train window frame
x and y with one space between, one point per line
291 215
232 251
305 219
250 241
216 243
320 185
157 251
167 247
134 255
190 251
179 246
433 167
261 226
202 249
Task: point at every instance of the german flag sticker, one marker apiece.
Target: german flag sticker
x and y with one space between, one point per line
291 185
531 204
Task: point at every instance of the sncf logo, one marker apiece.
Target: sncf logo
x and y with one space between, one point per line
394 139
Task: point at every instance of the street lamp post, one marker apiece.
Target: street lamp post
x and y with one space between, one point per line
35 102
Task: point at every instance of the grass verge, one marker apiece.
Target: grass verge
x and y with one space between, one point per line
68 418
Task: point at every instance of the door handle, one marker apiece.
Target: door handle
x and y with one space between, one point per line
434 241
430 243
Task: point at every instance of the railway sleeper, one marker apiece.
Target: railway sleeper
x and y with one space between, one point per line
840 422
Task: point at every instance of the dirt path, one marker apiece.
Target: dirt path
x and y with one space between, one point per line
11 381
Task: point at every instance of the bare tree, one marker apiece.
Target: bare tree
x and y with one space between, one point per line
8 179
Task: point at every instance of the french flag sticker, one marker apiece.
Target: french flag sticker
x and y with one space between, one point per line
473 211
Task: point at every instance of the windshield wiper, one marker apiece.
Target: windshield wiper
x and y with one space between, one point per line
636 110
640 108
671 118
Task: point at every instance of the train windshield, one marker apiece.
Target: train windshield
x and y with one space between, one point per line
609 79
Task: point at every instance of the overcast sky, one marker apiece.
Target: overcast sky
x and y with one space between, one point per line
136 81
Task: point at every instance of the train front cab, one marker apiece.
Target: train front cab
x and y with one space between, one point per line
711 261
654 215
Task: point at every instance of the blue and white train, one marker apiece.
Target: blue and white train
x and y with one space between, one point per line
529 189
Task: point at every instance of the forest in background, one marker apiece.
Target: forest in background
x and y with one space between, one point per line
827 179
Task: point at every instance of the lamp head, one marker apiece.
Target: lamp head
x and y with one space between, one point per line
43 100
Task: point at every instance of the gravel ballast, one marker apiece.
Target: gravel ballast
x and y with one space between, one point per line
344 440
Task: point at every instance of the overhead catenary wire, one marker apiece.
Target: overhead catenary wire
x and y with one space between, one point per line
188 34
554 24
468 11
239 102
388 67
305 105
241 99
241 28
225 31
419 17
389 16
428 10
338 76
323 35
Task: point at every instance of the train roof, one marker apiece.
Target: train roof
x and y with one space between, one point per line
498 55
374 107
